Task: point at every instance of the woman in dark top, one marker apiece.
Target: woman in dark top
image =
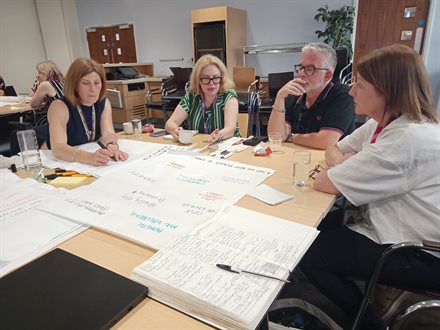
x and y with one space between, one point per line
83 115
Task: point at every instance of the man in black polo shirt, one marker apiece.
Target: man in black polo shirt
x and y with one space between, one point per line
310 110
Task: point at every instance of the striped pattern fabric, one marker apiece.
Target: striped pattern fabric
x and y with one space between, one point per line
214 116
58 85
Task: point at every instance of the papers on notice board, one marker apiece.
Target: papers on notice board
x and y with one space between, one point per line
25 232
184 273
269 195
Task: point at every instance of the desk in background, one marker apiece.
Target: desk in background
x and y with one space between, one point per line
122 256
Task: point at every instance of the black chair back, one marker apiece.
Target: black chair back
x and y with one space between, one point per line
277 80
10 91
181 76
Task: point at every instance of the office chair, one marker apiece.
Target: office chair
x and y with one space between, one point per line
416 308
168 86
10 91
342 62
243 77
346 74
274 83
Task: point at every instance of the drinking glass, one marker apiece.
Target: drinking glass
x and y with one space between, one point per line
301 165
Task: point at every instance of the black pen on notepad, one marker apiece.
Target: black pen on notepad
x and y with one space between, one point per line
104 147
238 271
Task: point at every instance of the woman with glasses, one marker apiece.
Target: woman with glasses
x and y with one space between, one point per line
391 165
210 106
310 110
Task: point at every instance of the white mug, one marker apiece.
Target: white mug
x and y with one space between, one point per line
128 128
185 136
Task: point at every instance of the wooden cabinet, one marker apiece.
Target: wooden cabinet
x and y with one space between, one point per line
220 31
145 69
127 96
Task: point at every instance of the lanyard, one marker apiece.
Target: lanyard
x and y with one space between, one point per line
89 133
207 121
379 129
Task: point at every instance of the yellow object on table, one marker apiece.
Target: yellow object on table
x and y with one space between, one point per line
68 181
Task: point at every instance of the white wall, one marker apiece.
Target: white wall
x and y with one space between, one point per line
163 27
21 43
163 31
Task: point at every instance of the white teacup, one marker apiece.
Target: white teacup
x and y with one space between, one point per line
128 127
186 136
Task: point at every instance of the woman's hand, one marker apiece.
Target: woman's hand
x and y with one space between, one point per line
175 133
117 154
215 136
100 157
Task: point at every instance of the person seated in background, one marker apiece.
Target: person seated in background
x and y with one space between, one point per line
210 106
2 86
82 115
50 85
391 165
310 110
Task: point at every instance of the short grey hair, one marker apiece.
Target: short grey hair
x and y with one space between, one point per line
324 49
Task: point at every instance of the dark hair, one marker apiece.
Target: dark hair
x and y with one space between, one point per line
399 75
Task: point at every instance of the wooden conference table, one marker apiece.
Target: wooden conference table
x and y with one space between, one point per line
121 255
15 108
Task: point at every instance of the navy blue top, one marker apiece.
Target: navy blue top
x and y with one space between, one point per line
333 109
76 133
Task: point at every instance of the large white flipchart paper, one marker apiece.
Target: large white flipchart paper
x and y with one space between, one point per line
153 201
134 149
25 232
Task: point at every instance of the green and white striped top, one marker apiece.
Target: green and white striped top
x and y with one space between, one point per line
210 119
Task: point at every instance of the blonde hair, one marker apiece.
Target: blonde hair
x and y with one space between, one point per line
51 70
203 62
78 69
399 75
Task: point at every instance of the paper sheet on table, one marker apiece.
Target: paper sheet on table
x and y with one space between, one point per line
233 144
135 149
26 233
153 201
269 195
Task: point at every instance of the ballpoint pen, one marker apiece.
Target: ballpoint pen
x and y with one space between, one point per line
241 140
238 271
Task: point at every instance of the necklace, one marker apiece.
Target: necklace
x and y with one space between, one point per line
90 132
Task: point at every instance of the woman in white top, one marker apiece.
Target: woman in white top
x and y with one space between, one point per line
390 164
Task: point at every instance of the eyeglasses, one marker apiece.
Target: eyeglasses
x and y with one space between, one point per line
308 70
207 80
316 170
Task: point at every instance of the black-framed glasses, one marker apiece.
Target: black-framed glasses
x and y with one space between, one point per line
207 80
309 70
316 170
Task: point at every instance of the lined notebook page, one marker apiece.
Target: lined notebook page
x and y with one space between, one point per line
184 274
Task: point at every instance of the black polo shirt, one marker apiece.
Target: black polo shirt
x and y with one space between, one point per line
333 109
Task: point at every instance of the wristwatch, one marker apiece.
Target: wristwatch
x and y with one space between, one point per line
290 137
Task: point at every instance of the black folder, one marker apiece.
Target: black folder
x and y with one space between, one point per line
62 291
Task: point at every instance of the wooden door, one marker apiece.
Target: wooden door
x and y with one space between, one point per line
112 44
381 23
